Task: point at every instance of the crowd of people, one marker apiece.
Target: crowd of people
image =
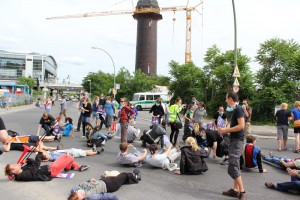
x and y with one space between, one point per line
224 137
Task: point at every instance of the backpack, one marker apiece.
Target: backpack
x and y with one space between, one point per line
12 133
224 147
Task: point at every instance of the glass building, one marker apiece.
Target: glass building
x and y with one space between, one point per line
15 65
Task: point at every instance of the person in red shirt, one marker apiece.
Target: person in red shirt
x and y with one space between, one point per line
125 117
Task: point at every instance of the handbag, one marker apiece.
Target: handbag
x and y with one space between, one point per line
178 124
297 123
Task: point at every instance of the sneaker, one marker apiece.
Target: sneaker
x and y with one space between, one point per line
77 130
103 143
94 148
82 136
83 168
100 151
137 173
231 193
270 185
242 196
172 167
59 146
225 162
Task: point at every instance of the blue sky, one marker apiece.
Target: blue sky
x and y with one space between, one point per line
24 28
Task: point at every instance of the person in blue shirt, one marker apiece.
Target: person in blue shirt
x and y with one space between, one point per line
136 113
110 112
68 127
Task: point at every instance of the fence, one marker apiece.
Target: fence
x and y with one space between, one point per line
15 99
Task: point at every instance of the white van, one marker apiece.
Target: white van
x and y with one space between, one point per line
145 100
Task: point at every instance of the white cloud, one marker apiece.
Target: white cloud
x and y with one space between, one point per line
74 60
69 41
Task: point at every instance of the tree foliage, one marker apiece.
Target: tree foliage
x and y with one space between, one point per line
129 83
27 81
187 81
218 76
279 76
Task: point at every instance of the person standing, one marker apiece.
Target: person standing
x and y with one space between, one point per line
222 115
95 114
188 117
296 117
63 105
109 108
248 114
86 111
199 113
124 117
174 111
237 136
48 105
282 118
157 110
82 95
167 112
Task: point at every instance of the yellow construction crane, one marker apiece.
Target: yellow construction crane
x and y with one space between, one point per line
147 10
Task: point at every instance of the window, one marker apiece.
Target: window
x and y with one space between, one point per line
142 97
156 96
149 97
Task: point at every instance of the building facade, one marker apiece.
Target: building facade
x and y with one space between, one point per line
15 65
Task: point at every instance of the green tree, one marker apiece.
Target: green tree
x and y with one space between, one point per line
187 81
129 84
278 77
218 78
27 81
280 61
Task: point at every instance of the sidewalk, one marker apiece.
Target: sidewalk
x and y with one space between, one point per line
16 109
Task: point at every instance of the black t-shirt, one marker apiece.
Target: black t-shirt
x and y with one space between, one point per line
224 116
2 126
282 117
49 121
212 136
237 113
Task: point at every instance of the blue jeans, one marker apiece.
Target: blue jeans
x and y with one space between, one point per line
286 186
276 160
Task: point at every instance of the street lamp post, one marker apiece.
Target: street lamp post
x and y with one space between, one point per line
90 88
112 63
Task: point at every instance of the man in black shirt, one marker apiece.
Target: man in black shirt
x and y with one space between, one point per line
237 134
47 122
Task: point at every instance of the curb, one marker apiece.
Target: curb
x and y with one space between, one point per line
256 135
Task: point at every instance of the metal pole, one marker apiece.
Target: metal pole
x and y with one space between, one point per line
235 35
112 63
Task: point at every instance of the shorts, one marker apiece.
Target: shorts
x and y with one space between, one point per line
108 121
236 148
77 153
63 112
95 115
282 132
33 139
297 130
19 146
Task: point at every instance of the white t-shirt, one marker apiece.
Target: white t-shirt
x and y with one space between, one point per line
297 163
158 160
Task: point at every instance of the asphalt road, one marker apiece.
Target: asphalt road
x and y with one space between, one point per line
156 183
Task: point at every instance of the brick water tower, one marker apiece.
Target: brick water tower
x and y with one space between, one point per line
147 14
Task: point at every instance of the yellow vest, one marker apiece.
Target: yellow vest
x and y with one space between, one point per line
174 110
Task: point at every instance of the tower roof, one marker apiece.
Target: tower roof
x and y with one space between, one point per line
147 4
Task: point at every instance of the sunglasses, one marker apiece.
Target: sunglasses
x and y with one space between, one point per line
122 101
